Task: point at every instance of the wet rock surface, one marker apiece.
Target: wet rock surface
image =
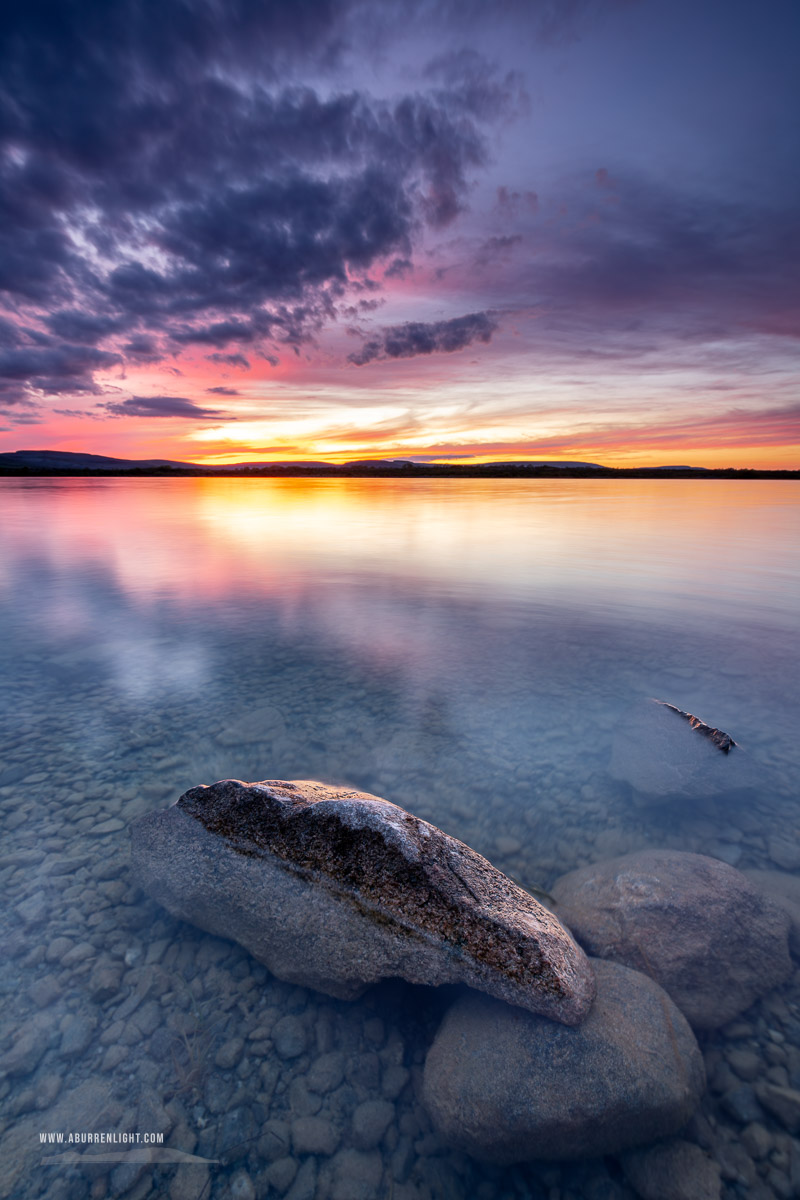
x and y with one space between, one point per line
696 925
336 889
666 754
507 1086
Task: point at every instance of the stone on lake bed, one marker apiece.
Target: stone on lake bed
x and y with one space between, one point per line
336 889
700 928
666 754
507 1086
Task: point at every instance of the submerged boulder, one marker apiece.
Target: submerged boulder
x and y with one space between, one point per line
506 1086
699 927
666 754
336 889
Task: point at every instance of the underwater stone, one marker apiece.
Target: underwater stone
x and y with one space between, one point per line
666 754
699 927
507 1086
335 889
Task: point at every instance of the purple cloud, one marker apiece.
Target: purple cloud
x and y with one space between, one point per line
418 337
162 406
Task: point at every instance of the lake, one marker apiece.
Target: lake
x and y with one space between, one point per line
465 649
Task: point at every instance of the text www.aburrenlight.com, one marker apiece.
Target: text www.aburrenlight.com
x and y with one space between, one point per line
102 1139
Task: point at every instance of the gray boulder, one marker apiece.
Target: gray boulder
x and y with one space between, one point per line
666 754
506 1086
697 926
335 889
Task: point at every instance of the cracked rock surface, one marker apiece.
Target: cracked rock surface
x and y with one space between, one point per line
336 889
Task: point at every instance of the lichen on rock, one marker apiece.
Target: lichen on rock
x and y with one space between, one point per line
336 889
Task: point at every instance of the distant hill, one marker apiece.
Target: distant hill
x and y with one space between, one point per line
65 462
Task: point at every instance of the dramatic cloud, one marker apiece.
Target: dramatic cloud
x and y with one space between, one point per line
230 192
158 182
162 406
418 337
55 369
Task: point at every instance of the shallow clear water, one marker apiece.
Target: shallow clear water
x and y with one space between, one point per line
464 649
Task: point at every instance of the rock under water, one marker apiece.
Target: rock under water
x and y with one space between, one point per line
336 889
506 1086
699 927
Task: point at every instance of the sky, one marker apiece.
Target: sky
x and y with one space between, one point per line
442 230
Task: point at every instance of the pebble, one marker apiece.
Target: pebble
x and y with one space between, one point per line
289 1037
280 1173
756 1140
34 910
314 1135
113 825
275 1140
783 1103
58 948
672 1170
326 1072
45 991
190 1182
105 980
112 1058
393 1081
241 1187
77 1031
746 1063
370 1121
356 1175
302 1101
30 1043
229 1053
742 1104
305 1182
47 1088
78 954
785 853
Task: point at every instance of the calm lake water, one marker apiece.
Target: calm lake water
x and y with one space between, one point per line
463 649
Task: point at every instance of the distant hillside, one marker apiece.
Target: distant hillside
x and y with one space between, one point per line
64 462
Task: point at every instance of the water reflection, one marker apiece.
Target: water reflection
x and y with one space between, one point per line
464 649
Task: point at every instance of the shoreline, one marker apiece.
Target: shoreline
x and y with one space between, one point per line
423 471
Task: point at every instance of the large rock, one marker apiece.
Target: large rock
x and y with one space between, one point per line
696 925
335 889
666 754
507 1086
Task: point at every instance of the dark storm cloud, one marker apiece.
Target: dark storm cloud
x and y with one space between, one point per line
55 369
160 187
418 337
161 406
77 326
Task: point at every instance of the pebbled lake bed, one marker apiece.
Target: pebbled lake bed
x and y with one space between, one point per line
466 650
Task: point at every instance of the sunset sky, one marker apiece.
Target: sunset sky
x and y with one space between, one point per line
449 230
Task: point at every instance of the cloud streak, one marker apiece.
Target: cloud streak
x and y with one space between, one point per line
163 406
431 337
